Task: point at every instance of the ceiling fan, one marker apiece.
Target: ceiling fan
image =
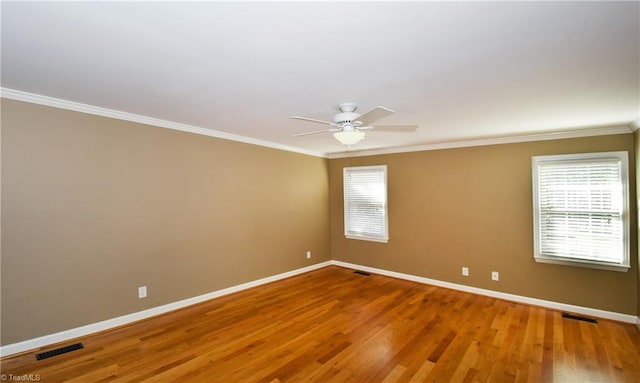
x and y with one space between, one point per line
349 127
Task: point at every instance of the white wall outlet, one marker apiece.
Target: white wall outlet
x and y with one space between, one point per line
308 254
142 292
495 276
465 271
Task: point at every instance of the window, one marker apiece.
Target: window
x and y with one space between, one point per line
580 210
365 203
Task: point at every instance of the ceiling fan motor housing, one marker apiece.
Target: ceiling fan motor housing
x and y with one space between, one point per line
347 114
345 117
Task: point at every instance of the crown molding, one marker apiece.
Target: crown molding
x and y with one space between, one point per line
125 116
18 95
601 131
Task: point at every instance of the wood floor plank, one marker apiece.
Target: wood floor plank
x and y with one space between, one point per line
331 325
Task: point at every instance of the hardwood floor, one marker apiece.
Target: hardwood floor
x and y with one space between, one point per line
333 325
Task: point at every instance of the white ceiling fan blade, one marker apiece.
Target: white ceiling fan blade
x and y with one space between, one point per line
395 128
373 115
312 120
314 132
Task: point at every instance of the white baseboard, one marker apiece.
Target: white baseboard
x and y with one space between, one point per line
77 332
496 294
92 328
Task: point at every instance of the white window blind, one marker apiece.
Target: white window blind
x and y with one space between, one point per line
365 203
580 209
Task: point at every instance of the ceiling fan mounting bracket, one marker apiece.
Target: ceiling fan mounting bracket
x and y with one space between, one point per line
348 107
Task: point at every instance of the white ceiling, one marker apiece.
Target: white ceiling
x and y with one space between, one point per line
461 71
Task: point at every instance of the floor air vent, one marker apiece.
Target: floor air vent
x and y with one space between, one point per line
362 273
577 317
58 351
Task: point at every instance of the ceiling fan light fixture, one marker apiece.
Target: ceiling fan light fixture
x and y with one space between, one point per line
349 138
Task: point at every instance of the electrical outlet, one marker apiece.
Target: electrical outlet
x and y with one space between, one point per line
308 254
142 292
465 271
495 276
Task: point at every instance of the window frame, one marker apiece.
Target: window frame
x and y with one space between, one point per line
623 158
384 238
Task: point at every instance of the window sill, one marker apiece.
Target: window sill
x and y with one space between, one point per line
365 238
580 263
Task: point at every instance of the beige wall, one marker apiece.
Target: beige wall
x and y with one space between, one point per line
636 140
472 207
94 207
